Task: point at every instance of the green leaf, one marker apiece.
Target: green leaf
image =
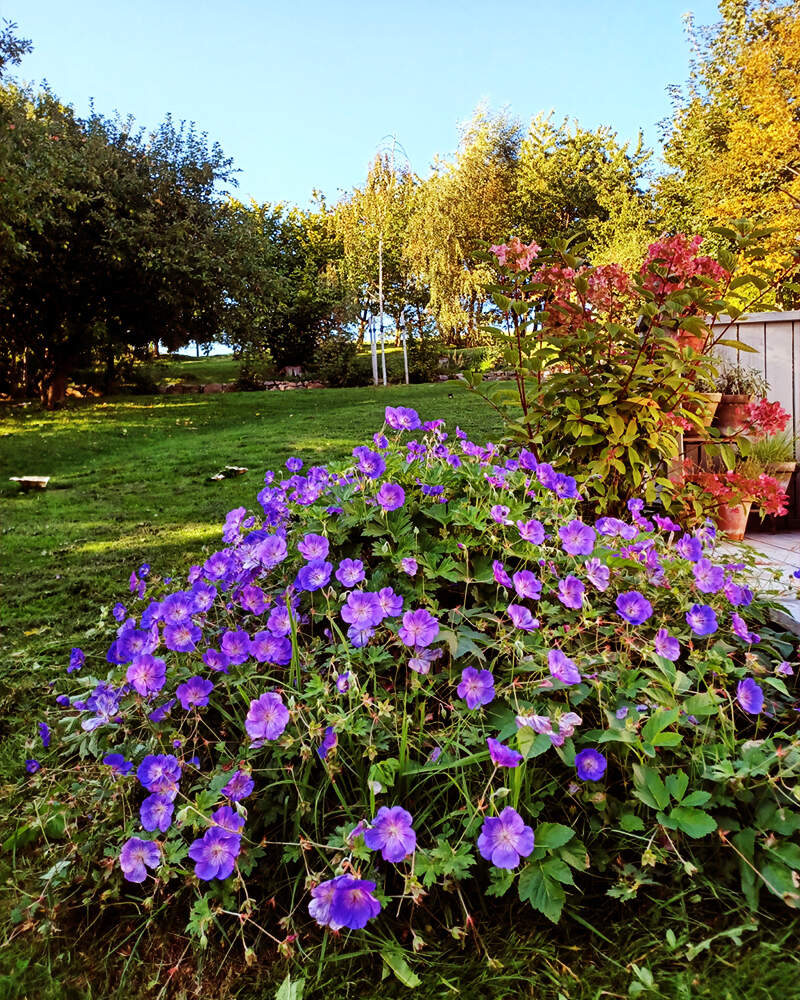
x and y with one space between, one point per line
396 961
542 891
702 705
290 989
659 721
551 836
631 822
677 784
693 822
649 787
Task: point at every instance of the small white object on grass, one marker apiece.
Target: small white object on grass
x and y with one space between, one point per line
31 482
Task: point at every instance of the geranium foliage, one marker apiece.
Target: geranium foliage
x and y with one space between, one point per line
423 671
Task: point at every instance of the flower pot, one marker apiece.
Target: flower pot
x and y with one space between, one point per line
686 339
783 472
731 415
732 520
705 408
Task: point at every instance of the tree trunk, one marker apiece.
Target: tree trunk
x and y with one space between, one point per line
54 390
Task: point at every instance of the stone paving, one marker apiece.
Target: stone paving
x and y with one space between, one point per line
777 557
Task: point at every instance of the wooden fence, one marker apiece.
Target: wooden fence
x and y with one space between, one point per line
776 337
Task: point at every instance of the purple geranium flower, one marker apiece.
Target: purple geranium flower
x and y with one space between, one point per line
521 618
44 734
77 658
314 575
350 572
666 645
531 531
402 418
577 538
268 648
476 687
740 629
570 592
391 833
499 514
391 604
597 573
119 766
156 812
313 547
137 856
279 621
502 756
147 674
160 773
634 607
505 839
591 765
750 696
500 576
239 786
267 718
422 659
562 667
235 644
203 595
214 854
343 682
419 628
362 610
329 741
194 693
183 637
701 619
32 765
707 577
527 585
215 660
370 463
353 902
391 496
689 547
227 819
409 565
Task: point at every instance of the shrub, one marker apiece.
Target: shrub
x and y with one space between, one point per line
420 679
335 362
607 364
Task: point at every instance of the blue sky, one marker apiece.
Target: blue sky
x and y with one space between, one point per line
302 93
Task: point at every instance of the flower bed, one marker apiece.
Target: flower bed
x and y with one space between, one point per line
428 676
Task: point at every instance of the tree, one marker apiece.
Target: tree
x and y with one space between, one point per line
577 183
286 292
372 223
458 212
734 140
110 237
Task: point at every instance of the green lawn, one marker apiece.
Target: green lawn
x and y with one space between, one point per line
220 368
130 484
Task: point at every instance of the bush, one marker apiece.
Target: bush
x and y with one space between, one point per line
423 358
419 680
336 362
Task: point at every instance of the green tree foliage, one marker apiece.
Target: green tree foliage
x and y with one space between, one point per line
286 293
577 183
458 211
734 136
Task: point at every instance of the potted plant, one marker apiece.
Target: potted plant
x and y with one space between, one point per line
734 492
776 454
704 404
739 386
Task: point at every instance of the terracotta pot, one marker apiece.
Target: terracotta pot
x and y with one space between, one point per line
706 407
732 521
731 415
686 339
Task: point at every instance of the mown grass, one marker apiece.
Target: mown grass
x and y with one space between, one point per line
129 485
202 371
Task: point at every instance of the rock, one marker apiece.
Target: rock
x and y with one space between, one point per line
212 387
228 387
315 385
